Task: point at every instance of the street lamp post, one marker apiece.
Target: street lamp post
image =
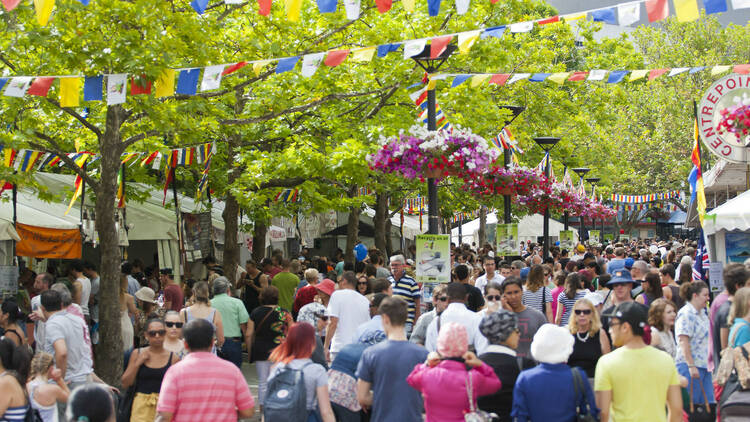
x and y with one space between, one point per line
431 65
546 143
516 111
566 215
594 181
581 172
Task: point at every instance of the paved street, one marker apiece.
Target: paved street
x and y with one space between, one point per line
248 370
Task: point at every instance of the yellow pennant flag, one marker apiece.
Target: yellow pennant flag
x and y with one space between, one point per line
292 9
718 70
409 5
466 40
559 78
258 66
165 83
43 10
69 92
573 17
363 55
8 156
77 143
686 10
78 189
638 74
479 79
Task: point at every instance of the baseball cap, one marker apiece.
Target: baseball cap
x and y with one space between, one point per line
629 263
525 273
633 313
620 277
580 248
326 286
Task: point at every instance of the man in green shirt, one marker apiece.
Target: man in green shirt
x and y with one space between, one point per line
234 318
287 283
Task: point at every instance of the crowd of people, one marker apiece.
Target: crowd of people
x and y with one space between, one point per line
618 332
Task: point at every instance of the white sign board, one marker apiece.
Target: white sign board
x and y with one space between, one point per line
8 278
715 276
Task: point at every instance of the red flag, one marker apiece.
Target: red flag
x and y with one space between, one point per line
166 185
40 86
657 10
384 5
10 4
742 69
264 7
140 86
5 186
578 76
438 45
655 73
499 78
233 68
553 19
335 57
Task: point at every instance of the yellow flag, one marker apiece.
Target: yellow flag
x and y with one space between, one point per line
686 10
69 92
638 74
165 83
77 143
78 189
258 66
718 70
43 10
573 17
292 9
363 54
409 5
466 40
478 80
559 78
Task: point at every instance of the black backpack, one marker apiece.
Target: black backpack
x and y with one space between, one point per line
286 396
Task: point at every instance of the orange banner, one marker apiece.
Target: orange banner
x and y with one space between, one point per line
41 242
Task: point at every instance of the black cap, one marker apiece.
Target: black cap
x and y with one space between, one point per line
633 313
166 271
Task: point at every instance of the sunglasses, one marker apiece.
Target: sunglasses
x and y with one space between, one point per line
582 311
362 283
170 324
443 298
155 333
493 297
323 317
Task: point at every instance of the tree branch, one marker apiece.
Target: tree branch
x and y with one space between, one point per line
69 111
141 136
54 147
381 103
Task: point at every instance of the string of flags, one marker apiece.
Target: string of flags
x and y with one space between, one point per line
641 199
645 206
420 100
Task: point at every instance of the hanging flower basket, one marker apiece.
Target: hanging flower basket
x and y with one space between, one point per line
506 181
434 173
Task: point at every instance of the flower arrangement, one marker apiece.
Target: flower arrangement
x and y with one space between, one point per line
559 198
422 153
513 180
735 119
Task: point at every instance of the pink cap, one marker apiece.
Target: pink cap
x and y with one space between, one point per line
326 286
453 340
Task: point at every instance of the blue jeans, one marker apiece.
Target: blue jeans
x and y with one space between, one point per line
231 350
704 379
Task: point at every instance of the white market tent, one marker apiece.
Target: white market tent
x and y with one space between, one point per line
529 228
730 218
411 223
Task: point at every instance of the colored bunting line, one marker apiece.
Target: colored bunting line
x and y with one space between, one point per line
640 199
637 207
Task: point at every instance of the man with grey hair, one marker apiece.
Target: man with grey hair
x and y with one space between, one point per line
516 267
234 318
406 288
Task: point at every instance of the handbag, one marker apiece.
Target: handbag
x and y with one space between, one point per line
704 413
583 411
474 414
734 403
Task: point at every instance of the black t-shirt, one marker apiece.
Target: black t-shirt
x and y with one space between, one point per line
719 322
507 369
269 332
475 300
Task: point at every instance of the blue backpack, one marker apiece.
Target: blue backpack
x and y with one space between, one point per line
286 396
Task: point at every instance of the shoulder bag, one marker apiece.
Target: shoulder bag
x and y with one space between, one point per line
583 411
700 413
474 414
734 403
260 324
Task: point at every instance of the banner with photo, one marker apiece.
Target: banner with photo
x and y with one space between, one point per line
433 258
507 239
567 240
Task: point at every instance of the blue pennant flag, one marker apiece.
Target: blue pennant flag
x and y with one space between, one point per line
199 6
605 15
458 80
616 76
433 7
286 64
715 6
496 31
327 6
187 81
539 77
85 2
93 88
384 49
2 82
696 69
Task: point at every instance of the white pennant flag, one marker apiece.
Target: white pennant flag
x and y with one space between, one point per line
17 86
740 4
522 27
413 47
629 13
677 70
517 77
157 161
212 77
462 6
597 75
310 63
117 87
352 9
234 1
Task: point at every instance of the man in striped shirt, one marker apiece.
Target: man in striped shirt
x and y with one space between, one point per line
202 386
406 288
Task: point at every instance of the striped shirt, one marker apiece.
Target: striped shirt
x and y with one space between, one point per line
408 289
569 304
534 299
204 387
14 414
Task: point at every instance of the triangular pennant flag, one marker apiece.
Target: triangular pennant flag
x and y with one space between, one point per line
638 74
259 65
117 86
336 57
715 6
742 69
233 68
327 6
547 21
69 88
43 9
310 63
578 76
165 83
539 77
655 73
496 32
292 8
518 77
264 7
140 85
458 80
520 27
409 5
597 75
417 97
93 87
740 4
686 10
384 5
40 87
696 69
10 4
363 55
352 8
605 15
617 76
286 64
573 17
187 81
559 78
438 45
479 79
499 79
413 47
433 7
199 6
718 70
462 6
466 40
212 77
384 49
677 70
657 10
629 13
17 86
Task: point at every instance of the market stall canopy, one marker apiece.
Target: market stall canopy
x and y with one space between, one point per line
732 215
7 232
529 228
411 223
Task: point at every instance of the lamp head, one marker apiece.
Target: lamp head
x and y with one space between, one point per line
593 180
581 171
546 142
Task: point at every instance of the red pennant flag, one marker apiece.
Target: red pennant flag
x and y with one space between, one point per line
10 4
264 7
5 186
499 79
140 86
578 76
233 68
657 10
384 5
655 73
742 69
553 19
438 45
335 57
40 86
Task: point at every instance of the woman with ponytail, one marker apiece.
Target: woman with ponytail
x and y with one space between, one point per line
10 314
14 369
44 395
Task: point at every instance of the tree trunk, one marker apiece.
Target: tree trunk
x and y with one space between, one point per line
380 222
260 228
482 227
231 247
352 228
109 350
388 227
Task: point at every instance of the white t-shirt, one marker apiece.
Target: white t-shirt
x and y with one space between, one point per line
482 281
36 303
351 309
85 294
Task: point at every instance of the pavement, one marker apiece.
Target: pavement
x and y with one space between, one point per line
248 370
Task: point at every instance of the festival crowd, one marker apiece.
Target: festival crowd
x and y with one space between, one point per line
621 332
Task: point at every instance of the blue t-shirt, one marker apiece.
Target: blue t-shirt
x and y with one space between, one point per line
742 330
386 366
614 265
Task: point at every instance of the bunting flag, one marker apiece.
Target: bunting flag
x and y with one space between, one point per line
287 196
639 199
120 188
697 192
567 179
43 9
212 78
77 190
117 86
165 84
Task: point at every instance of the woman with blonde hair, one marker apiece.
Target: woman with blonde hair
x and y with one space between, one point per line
739 318
202 309
661 317
43 395
536 294
591 342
